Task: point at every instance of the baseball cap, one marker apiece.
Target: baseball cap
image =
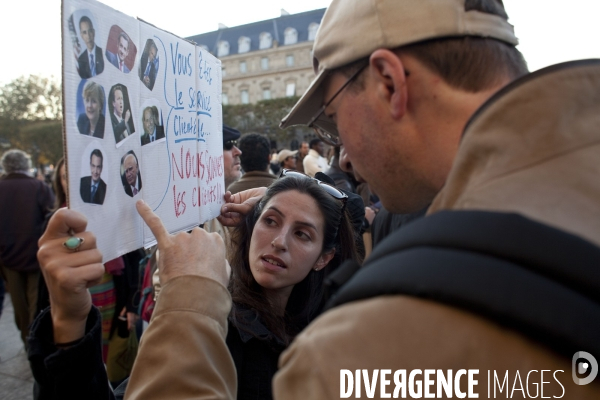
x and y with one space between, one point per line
285 153
353 29
230 134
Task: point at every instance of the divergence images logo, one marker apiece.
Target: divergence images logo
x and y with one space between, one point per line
585 368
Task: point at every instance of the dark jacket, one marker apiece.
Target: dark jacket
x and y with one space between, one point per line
121 129
85 190
78 372
24 202
160 134
83 124
127 186
255 351
84 63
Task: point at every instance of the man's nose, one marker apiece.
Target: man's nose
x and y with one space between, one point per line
345 163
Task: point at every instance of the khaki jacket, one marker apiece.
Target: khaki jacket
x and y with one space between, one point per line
533 149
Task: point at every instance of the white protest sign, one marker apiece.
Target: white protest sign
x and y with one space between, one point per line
143 120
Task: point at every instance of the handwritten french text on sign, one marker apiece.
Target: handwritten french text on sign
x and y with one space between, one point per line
143 120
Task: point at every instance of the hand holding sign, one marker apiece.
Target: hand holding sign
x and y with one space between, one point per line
69 270
197 253
238 205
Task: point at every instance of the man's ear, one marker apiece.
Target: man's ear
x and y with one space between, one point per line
324 260
389 76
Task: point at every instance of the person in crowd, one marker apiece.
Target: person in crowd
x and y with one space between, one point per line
24 202
288 159
343 180
90 61
91 122
255 160
282 246
59 186
117 292
401 97
132 179
120 115
118 60
302 153
152 130
149 64
92 188
314 161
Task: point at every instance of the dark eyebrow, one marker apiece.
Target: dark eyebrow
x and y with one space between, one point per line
308 224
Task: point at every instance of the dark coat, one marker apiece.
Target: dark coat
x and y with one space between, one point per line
119 128
78 371
160 134
151 74
85 189
84 63
24 202
255 351
83 124
127 186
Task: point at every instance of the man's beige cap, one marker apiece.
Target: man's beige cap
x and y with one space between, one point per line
353 29
285 153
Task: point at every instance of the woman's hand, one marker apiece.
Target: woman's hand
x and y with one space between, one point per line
238 205
196 253
69 273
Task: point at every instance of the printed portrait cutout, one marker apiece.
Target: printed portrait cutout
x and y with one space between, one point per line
119 108
120 49
130 174
152 124
88 56
92 185
149 64
90 109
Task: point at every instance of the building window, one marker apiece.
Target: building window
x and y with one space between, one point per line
265 40
224 99
290 89
289 60
243 44
264 63
243 67
290 36
245 99
266 94
223 48
312 30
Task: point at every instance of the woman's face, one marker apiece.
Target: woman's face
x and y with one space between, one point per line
92 108
286 242
62 173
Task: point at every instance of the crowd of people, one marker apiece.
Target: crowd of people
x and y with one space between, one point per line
477 180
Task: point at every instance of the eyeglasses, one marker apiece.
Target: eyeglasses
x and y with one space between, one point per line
228 145
324 126
333 191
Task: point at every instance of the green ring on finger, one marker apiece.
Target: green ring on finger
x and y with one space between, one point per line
73 243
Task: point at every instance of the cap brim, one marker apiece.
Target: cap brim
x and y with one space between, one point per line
308 105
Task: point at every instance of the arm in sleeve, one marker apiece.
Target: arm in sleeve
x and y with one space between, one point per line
183 353
76 372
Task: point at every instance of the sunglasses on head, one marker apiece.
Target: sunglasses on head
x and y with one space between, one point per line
228 145
333 191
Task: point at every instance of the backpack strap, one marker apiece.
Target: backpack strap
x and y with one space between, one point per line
520 273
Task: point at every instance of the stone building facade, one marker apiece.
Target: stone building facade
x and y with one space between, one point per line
267 59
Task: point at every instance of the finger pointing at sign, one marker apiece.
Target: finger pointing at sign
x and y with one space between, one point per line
196 253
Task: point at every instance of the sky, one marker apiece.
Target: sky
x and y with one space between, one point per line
550 31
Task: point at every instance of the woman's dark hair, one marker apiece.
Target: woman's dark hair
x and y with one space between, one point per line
306 298
59 190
